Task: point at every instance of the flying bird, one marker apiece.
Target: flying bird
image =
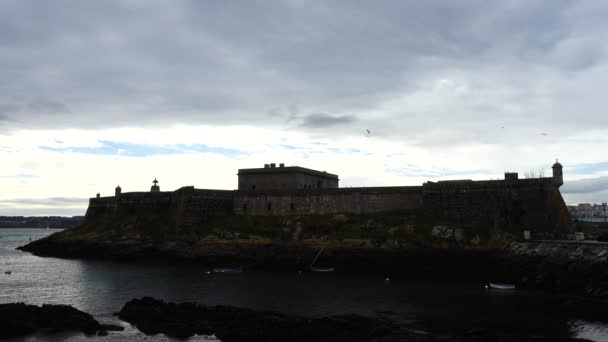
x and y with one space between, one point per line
368 132
544 134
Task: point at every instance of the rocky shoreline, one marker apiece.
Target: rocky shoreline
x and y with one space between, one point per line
229 323
560 268
19 319
284 256
153 316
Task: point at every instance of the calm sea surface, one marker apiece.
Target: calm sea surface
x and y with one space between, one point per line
102 287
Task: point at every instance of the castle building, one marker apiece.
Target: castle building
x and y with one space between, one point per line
532 203
285 178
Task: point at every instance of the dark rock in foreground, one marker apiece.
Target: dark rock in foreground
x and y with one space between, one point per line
18 319
228 323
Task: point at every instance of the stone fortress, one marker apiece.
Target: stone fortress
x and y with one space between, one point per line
281 190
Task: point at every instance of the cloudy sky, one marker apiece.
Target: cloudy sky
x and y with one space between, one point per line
99 93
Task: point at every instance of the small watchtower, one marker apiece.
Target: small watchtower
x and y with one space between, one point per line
155 187
558 176
511 177
117 191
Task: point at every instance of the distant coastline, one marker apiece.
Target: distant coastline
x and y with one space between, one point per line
8 222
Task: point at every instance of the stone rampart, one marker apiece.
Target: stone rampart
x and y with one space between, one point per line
189 206
534 204
327 201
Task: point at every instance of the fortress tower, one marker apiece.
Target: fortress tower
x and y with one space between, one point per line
155 187
558 176
117 191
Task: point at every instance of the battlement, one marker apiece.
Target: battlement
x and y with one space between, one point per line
489 184
139 202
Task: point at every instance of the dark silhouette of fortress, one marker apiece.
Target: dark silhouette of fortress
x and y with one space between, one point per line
533 204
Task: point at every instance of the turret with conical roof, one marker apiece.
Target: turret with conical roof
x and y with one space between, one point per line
117 191
558 176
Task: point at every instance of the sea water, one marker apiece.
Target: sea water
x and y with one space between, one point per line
103 287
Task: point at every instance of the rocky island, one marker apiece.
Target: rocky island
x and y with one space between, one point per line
283 218
287 218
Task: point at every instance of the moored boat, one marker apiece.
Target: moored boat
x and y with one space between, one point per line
500 286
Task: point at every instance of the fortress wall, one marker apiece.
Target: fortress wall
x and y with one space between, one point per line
187 205
534 204
129 203
197 205
327 201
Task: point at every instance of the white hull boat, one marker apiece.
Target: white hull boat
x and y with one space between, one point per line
227 270
499 286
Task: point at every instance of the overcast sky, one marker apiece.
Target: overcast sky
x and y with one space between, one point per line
94 94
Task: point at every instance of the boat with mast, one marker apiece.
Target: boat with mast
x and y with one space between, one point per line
316 269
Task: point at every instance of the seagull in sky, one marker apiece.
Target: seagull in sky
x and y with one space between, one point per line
544 134
368 132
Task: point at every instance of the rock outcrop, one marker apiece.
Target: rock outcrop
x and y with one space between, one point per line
228 323
19 319
567 267
153 316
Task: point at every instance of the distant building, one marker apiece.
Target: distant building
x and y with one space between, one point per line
587 211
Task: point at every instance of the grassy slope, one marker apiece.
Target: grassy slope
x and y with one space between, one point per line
387 230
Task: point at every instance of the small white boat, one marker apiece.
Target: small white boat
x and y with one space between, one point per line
498 286
227 270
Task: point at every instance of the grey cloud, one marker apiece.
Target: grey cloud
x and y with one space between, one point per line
325 120
7 108
62 206
520 63
590 185
49 211
590 197
53 201
47 106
